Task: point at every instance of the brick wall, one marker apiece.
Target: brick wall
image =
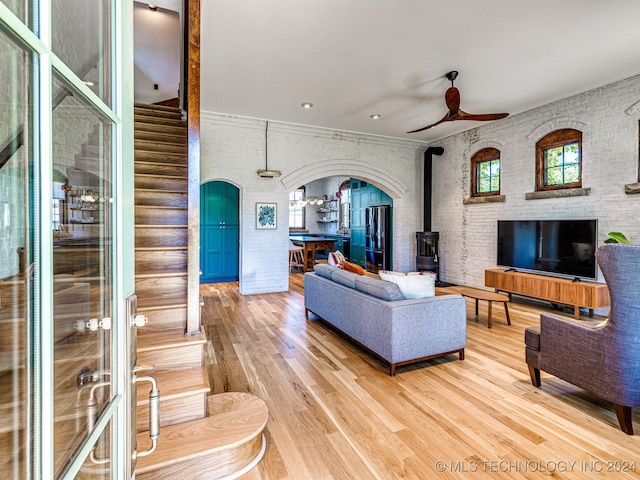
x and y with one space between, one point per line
233 150
608 118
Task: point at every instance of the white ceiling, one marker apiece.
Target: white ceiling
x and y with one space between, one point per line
354 58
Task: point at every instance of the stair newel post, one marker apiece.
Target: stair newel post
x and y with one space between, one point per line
192 82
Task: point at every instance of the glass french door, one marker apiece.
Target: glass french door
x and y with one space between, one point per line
65 382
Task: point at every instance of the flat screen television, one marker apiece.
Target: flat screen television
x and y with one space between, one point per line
557 247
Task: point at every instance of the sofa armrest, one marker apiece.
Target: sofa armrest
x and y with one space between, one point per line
437 324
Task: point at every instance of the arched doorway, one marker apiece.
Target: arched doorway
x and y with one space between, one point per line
219 232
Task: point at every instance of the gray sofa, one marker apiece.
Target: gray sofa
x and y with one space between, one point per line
374 314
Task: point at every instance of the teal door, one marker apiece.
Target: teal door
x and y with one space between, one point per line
219 232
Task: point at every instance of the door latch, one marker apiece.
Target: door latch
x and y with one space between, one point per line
139 320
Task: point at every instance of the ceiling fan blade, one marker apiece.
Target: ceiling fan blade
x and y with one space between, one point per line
481 117
452 99
446 118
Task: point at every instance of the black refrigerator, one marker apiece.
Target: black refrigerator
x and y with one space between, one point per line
378 239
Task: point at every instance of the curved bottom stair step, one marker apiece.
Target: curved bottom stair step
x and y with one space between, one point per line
226 444
183 397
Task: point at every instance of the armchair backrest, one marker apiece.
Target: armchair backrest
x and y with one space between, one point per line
620 265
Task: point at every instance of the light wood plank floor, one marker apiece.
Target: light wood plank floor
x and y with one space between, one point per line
335 413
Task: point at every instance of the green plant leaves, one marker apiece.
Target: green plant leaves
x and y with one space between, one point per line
616 237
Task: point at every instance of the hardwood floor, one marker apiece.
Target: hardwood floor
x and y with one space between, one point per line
335 413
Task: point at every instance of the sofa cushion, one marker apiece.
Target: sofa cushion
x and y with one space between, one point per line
413 284
348 279
325 270
379 288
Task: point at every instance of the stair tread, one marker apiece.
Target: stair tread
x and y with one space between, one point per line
168 207
219 432
164 273
168 154
142 225
170 338
162 177
162 303
176 384
151 106
159 249
160 190
161 163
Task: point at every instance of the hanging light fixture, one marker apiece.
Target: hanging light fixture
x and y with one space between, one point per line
266 173
304 201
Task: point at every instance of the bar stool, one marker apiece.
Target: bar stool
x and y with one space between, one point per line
296 259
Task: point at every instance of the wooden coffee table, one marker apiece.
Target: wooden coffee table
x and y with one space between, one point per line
490 297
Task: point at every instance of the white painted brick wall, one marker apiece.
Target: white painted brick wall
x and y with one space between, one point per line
610 160
232 150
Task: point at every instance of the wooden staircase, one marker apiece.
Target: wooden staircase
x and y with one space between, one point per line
222 433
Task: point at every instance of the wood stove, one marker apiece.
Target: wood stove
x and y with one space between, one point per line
427 253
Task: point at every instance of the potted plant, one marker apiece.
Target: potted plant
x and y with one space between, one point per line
616 237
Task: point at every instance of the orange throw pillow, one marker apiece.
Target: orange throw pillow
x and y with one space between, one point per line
352 267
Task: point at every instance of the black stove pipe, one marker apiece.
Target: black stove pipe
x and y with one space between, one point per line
427 184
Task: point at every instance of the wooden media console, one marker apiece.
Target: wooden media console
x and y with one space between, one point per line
590 295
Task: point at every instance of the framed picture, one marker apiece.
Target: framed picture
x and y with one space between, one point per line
266 216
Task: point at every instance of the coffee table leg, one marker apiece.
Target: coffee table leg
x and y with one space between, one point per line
506 312
489 314
476 307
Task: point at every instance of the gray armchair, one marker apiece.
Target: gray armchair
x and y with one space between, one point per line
600 357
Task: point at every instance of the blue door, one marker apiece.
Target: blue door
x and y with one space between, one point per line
219 232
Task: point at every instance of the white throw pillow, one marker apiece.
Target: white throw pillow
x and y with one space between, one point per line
336 258
412 284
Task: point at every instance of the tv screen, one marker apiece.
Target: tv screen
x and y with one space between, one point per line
560 247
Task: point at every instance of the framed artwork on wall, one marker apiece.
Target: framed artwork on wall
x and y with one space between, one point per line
266 216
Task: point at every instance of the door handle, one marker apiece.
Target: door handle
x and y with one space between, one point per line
154 413
92 412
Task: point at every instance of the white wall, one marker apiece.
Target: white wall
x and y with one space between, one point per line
608 118
233 150
157 45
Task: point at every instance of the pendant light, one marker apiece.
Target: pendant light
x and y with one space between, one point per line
266 173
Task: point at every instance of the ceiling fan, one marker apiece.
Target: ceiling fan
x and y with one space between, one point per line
452 99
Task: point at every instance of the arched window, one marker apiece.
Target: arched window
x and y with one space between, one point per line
345 204
485 173
559 160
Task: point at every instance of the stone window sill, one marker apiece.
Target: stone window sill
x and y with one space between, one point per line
489 199
568 192
632 188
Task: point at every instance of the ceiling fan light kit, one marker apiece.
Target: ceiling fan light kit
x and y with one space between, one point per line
452 99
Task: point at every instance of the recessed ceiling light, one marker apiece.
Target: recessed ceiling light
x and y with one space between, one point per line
152 7
307 105
375 116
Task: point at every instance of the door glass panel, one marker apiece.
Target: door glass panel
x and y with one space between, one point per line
82 270
19 8
80 37
16 265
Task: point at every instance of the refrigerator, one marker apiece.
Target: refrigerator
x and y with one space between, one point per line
378 239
